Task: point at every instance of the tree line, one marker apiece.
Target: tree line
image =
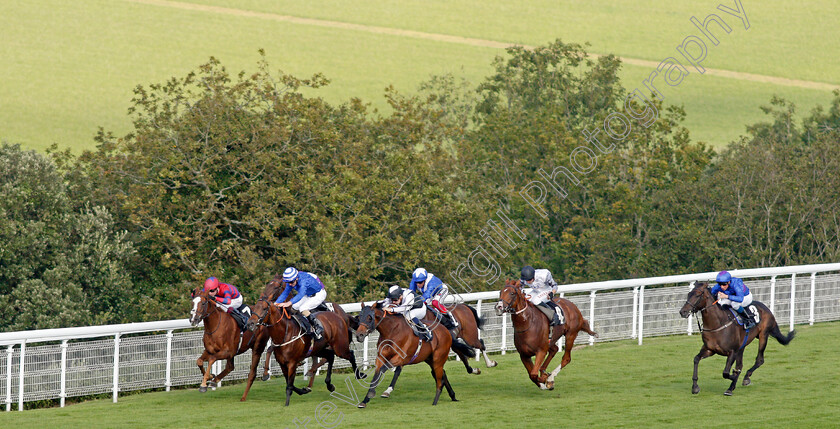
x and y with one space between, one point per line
240 175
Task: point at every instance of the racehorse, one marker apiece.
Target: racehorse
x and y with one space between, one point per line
222 340
291 345
273 289
531 332
469 324
722 335
398 346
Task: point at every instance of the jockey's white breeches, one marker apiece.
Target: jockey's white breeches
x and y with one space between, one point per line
309 302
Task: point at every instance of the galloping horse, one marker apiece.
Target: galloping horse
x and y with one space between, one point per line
291 345
398 346
531 332
222 340
273 289
469 324
721 335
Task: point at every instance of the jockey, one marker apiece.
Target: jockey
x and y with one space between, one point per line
228 298
542 287
733 292
432 290
310 294
403 301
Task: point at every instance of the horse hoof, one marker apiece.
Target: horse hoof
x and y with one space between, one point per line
492 364
331 388
211 384
695 390
746 382
476 371
385 395
266 377
543 386
727 393
305 390
550 385
202 389
454 400
362 405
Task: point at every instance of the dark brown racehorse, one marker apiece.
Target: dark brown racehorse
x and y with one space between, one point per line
531 332
398 346
291 346
222 340
721 335
273 289
468 325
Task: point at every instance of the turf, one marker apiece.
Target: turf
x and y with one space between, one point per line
619 384
69 67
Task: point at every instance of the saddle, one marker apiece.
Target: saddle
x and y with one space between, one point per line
324 306
447 320
421 331
743 319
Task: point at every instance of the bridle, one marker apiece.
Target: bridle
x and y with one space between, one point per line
375 326
205 302
509 306
695 310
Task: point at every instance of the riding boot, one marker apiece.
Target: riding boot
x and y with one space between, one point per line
240 319
746 315
550 312
304 323
317 330
422 329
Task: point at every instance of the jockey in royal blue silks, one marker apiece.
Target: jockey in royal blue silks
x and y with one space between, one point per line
310 294
432 291
733 292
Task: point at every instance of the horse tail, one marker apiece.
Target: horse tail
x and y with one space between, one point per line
586 328
479 321
462 348
781 338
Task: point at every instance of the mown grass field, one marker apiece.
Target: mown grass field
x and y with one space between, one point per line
69 67
616 384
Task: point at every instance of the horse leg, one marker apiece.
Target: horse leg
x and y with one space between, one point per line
734 375
759 359
535 371
228 368
487 361
529 366
256 354
210 361
387 392
267 371
330 359
380 369
200 362
448 387
704 353
289 371
438 374
466 360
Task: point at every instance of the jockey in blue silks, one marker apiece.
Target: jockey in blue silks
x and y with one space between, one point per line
733 292
432 291
310 294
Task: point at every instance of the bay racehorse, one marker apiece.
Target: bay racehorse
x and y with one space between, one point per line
722 335
532 335
468 325
273 289
291 345
222 340
398 346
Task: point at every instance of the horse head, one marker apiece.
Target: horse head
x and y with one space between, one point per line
259 313
699 299
367 321
202 306
510 297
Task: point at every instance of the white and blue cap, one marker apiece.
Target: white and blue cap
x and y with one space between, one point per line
290 275
420 275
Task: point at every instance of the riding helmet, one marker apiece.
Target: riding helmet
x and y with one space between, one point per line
527 273
723 277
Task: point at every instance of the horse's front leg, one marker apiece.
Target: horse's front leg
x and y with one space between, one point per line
210 361
377 376
704 353
536 370
733 377
387 392
228 368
